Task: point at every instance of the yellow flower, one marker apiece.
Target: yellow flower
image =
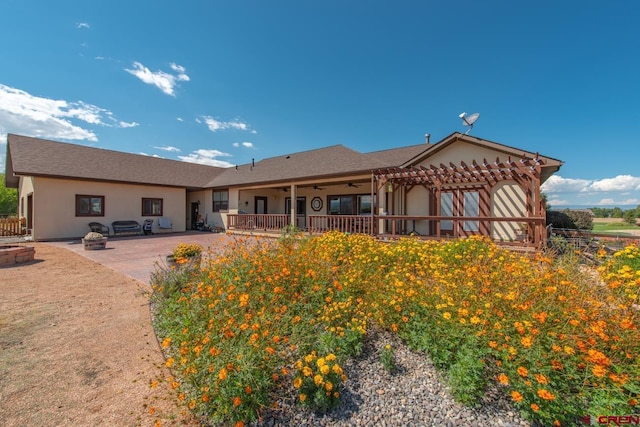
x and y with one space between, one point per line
328 386
446 315
303 397
325 369
169 362
306 371
569 350
318 379
297 383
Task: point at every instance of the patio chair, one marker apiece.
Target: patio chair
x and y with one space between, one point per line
96 227
165 222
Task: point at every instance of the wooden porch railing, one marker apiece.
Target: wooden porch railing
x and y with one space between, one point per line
533 232
529 231
348 223
13 226
266 222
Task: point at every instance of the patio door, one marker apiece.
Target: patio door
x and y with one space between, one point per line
460 202
260 203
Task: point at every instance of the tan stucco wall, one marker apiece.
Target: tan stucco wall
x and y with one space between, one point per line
463 151
25 187
54 206
508 200
418 204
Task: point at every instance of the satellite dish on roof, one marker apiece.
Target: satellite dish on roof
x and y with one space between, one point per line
469 120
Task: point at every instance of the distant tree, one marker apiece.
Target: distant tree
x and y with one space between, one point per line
8 199
616 212
582 219
559 219
601 212
579 220
630 216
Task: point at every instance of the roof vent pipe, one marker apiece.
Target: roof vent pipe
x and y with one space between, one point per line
427 136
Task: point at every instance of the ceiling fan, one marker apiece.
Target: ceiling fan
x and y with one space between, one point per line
351 184
317 187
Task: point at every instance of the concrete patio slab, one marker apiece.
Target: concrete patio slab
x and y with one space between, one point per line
137 256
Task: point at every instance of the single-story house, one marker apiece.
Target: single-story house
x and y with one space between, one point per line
459 186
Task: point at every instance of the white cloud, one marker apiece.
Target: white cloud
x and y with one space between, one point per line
216 125
179 119
3 151
621 202
182 72
558 184
166 82
83 25
558 202
26 114
244 144
142 153
619 183
168 148
207 157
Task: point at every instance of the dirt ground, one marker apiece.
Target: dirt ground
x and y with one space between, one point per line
77 347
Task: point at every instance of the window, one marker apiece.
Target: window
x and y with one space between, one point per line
151 207
341 205
471 208
364 204
220 200
89 205
350 204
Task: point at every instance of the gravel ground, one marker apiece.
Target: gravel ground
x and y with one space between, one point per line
414 395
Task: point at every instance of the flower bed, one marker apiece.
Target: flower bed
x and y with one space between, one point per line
263 318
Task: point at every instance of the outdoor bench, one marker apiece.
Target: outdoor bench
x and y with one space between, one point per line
120 227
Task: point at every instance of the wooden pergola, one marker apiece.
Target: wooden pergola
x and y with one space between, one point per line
525 172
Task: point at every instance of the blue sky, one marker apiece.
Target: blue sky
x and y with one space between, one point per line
222 82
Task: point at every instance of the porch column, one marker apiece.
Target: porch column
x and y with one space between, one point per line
382 206
294 203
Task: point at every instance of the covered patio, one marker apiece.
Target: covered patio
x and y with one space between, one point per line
455 200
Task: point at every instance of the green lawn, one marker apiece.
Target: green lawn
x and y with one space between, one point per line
608 227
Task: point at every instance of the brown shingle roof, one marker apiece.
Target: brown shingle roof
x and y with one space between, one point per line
323 162
39 157
397 156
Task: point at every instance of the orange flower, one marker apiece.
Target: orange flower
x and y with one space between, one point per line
166 342
248 389
169 362
516 396
526 341
546 394
503 379
541 379
222 375
237 402
535 407
522 371
599 371
240 424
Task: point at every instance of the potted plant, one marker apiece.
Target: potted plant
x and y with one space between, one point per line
93 241
185 253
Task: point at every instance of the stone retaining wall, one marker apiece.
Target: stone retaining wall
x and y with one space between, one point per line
11 255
